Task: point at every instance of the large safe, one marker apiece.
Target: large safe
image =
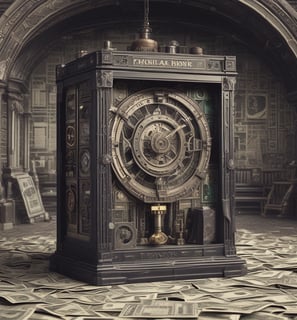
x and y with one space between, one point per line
145 167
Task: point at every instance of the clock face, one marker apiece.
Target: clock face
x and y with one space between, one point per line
160 145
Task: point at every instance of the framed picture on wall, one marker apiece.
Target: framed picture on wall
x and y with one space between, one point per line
256 107
40 135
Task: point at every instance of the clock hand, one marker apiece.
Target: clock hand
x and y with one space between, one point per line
175 130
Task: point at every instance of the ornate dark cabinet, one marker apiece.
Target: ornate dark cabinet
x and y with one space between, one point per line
145 167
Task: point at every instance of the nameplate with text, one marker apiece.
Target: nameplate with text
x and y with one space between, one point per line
160 62
169 63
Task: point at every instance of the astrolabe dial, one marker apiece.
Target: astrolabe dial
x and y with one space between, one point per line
160 145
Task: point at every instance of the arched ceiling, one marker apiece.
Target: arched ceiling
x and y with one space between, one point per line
266 26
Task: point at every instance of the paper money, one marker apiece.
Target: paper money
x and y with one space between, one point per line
20 297
98 318
112 306
159 287
238 307
218 316
42 316
66 309
268 292
264 316
161 309
15 314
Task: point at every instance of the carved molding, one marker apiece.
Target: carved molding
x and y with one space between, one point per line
16 106
281 15
104 79
229 83
284 11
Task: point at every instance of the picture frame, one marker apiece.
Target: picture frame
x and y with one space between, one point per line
40 135
31 196
256 107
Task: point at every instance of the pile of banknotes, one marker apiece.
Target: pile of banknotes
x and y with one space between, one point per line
28 290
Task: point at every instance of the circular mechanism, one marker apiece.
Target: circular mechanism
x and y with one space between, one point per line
157 144
124 235
160 145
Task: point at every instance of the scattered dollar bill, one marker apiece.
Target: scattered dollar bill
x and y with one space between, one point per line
159 287
264 316
20 297
15 314
66 309
218 316
161 309
28 290
112 306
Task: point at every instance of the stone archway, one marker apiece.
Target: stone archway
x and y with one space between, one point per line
28 19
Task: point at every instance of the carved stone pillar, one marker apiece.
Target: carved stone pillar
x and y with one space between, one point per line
14 110
292 98
228 161
7 207
26 146
2 131
16 138
17 147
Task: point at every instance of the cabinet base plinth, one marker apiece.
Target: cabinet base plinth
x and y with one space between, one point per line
119 273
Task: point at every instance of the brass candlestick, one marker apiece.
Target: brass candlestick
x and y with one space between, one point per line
158 237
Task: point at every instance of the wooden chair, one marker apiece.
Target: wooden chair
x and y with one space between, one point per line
249 191
283 193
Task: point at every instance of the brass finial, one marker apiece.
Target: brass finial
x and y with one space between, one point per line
144 43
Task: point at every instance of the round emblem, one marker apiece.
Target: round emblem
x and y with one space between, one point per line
70 200
85 162
70 136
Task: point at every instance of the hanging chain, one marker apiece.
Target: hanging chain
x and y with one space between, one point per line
146 13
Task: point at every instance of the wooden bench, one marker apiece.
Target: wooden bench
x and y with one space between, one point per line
249 198
48 191
281 197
